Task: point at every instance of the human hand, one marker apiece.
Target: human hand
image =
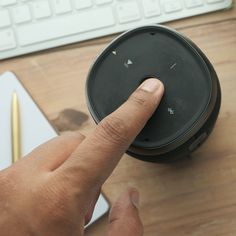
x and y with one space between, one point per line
54 189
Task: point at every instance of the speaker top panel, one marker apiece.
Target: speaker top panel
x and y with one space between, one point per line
152 51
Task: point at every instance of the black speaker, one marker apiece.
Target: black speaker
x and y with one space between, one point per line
191 103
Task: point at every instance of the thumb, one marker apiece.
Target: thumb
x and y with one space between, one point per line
124 216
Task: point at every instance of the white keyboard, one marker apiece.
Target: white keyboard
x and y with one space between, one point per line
31 25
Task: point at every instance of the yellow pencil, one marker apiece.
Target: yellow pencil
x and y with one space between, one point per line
15 128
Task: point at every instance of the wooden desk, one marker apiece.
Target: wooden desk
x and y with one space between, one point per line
192 197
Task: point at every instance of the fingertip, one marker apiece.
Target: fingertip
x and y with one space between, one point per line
127 202
155 87
124 215
134 197
160 92
152 85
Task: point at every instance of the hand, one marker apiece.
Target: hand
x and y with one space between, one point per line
54 189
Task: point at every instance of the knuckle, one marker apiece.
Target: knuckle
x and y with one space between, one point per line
138 98
10 180
6 184
114 129
143 99
53 202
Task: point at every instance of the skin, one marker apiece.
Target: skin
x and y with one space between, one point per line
54 190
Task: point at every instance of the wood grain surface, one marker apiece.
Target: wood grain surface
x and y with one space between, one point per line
196 196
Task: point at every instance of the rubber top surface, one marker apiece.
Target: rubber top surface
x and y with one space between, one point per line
148 52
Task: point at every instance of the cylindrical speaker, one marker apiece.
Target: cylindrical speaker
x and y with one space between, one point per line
192 98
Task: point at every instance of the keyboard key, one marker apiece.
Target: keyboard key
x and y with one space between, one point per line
214 1
100 2
7 40
61 27
128 11
4 18
81 4
151 8
41 9
172 6
7 2
62 6
193 3
21 14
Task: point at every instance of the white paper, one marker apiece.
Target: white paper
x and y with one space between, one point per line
35 128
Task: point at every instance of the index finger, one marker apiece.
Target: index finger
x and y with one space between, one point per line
94 160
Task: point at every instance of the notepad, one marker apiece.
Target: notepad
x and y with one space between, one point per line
35 128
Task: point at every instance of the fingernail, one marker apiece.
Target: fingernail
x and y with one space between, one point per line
135 198
150 85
